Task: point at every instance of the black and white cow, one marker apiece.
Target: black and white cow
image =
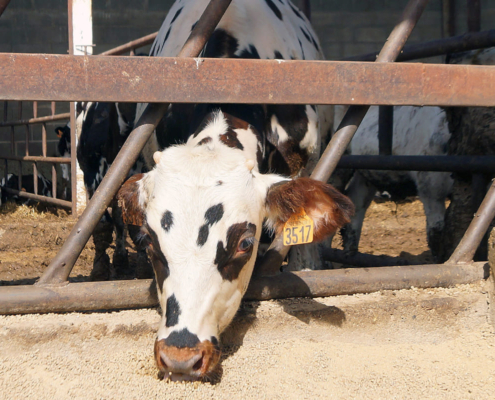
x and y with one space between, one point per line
103 129
12 182
416 131
63 148
203 205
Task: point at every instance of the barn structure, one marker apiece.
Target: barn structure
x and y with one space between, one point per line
355 81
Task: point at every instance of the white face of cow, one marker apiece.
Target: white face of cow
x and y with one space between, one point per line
202 209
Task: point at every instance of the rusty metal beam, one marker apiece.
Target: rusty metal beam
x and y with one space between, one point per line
59 269
38 120
142 293
57 160
468 41
36 197
157 79
145 40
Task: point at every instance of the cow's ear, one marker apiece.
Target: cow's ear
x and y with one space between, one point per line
59 132
326 206
132 198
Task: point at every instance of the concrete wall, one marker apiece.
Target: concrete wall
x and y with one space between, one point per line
345 28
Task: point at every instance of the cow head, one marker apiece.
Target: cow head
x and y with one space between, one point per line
201 210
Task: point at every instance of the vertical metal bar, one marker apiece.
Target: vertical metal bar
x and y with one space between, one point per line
54 182
132 52
271 262
5 110
60 267
474 15
469 243
35 109
12 140
448 16
19 110
73 159
27 140
43 139
35 178
6 172
53 107
306 8
20 175
385 130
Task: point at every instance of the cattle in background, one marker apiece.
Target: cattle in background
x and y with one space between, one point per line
473 133
203 205
104 128
416 131
63 148
12 182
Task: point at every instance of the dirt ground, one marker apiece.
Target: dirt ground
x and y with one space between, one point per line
408 344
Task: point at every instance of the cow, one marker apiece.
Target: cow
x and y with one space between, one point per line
103 129
63 148
416 131
11 181
473 133
217 174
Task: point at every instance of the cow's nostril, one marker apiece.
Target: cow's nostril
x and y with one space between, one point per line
198 364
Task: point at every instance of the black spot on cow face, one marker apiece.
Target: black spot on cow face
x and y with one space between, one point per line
278 55
158 260
167 221
310 38
239 249
212 216
302 49
166 36
204 141
221 44
230 139
173 312
274 8
182 339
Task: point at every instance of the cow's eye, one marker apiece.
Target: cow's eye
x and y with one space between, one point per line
245 245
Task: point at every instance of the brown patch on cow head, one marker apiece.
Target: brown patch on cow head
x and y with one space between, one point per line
328 208
128 201
230 139
204 141
210 356
235 123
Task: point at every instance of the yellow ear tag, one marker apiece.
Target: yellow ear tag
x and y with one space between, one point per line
298 229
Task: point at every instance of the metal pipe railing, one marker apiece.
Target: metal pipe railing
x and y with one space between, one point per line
60 267
478 227
271 262
468 41
142 292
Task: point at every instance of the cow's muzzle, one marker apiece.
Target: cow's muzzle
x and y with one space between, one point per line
186 363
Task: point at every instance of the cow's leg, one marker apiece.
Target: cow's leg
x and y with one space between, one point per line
120 256
361 193
144 270
433 188
102 238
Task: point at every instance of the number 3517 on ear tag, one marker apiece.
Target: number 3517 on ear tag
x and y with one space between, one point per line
298 229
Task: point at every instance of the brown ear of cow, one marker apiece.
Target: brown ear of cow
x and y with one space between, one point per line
128 201
328 208
59 133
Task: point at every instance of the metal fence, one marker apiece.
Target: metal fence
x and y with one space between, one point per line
329 83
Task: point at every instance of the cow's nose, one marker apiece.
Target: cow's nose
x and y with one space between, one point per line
189 362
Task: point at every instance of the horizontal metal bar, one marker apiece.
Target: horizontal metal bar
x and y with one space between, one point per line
142 293
44 199
145 40
485 164
468 41
39 120
184 80
58 160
